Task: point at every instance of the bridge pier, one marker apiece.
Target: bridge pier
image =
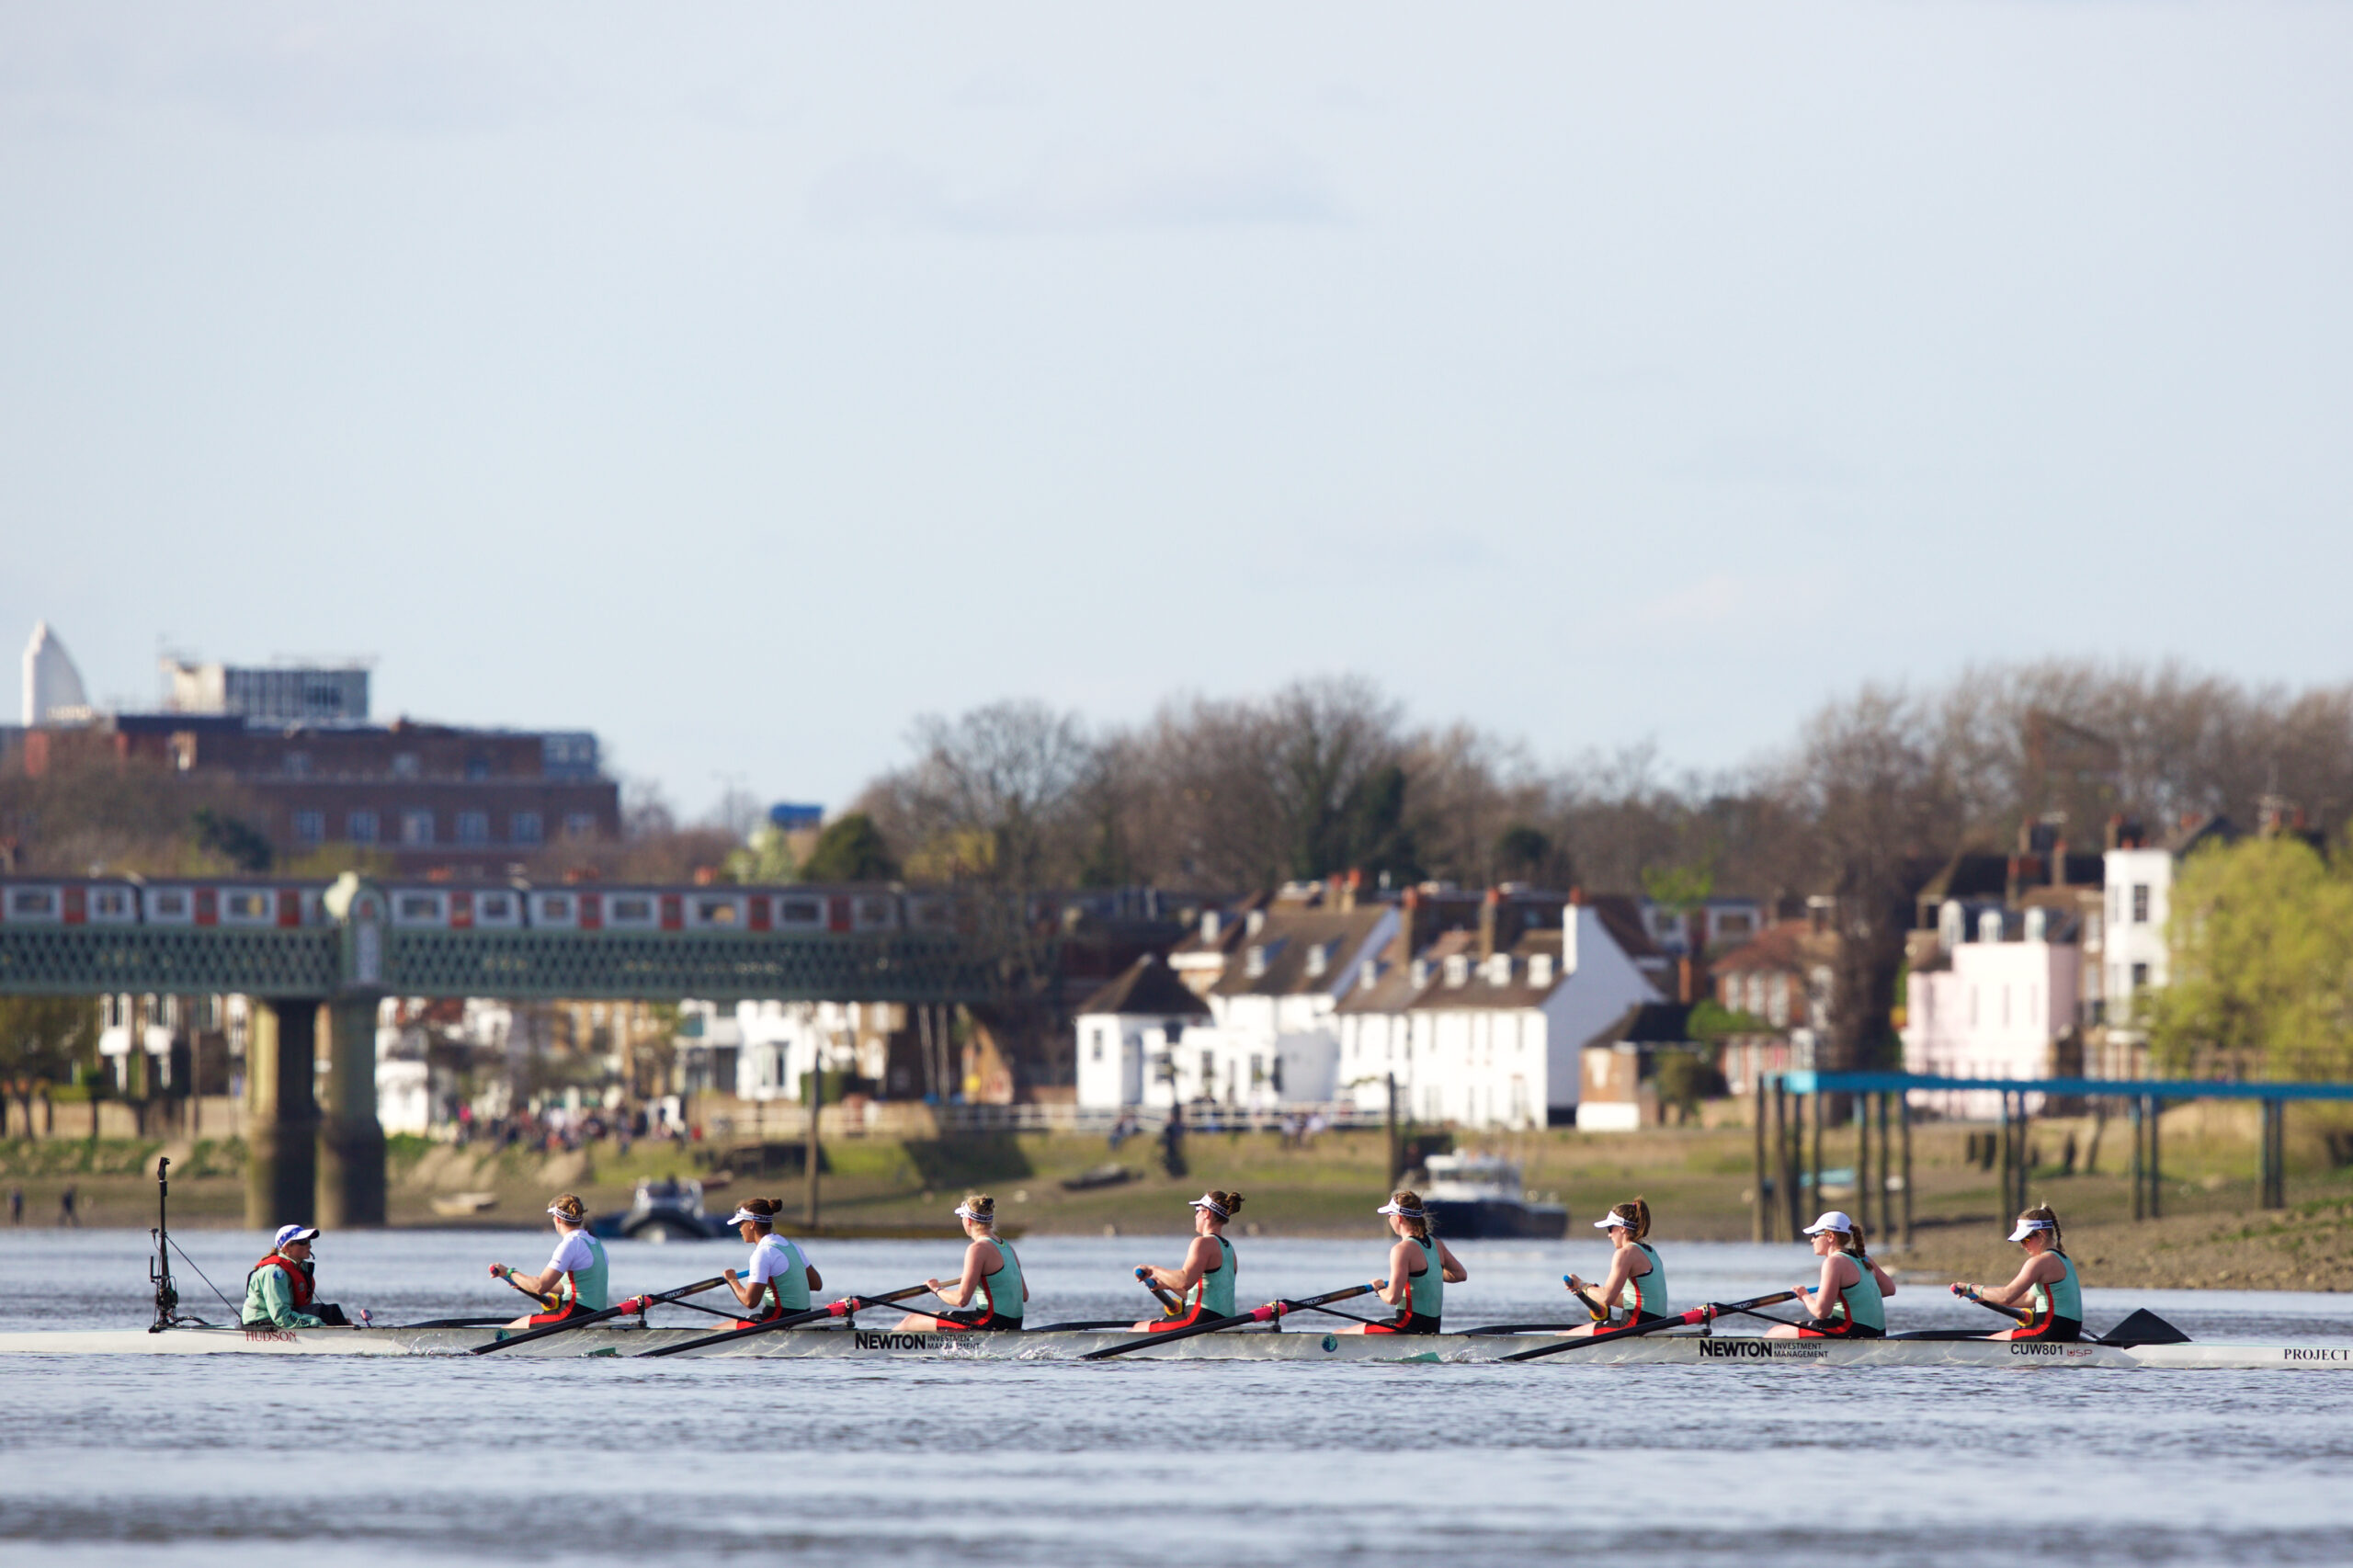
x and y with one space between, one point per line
282 1114
352 1140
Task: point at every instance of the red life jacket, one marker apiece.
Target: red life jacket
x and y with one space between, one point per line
298 1279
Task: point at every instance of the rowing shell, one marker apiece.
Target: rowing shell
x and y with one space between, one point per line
860 1343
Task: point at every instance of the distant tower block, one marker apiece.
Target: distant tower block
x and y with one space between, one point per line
52 685
291 694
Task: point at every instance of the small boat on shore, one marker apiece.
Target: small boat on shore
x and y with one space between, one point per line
1479 1198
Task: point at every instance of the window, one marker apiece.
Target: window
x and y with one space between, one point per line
1098 1054
404 765
523 827
297 764
310 827
362 827
473 827
2140 975
477 768
2139 904
416 827
579 824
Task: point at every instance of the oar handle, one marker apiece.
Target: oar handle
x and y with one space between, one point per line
2015 1315
1170 1305
1593 1309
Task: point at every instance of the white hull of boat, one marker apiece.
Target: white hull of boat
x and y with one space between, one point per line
1254 1344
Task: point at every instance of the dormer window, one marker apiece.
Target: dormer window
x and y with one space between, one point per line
1419 973
1254 962
1458 970
1367 973
1498 969
1539 970
1257 922
1319 959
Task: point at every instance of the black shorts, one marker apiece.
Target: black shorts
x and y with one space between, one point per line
1837 1328
984 1319
1406 1321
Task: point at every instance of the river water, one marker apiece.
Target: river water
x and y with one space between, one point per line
260 1462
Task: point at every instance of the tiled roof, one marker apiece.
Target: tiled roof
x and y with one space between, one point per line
1287 938
1147 986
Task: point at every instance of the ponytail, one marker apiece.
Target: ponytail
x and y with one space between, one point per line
1635 1216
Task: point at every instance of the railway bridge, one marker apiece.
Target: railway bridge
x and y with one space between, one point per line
316 958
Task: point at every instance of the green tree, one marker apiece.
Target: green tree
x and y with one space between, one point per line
41 1040
851 849
2262 939
765 858
235 841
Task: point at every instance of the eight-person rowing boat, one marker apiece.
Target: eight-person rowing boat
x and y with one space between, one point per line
1845 1321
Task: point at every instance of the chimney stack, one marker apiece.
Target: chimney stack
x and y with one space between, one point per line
1487 907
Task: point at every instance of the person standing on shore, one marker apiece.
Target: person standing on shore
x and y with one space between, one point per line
1208 1269
576 1274
1849 1300
2046 1284
779 1279
1420 1268
992 1278
1635 1288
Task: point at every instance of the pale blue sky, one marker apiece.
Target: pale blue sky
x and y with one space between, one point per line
742 380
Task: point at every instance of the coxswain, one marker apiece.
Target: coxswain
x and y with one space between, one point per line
280 1289
1849 1301
1634 1290
991 1293
575 1276
1208 1271
2046 1284
1420 1268
778 1279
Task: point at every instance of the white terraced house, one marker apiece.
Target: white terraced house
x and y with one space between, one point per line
2140 899
1492 1041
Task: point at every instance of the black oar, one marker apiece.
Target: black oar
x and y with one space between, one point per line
634 1304
1655 1325
2015 1315
843 1308
1271 1312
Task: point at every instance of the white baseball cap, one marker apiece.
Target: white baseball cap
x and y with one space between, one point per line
1832 1220
2028 1227
289 1233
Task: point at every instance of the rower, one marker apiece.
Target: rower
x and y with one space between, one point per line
280 1288
779 1279
1635 1288
1849 1300
1208 1269
576 1275
1420 1268
992 1278
2046 1285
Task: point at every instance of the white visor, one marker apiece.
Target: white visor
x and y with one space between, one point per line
1613 1223
740 1215
1408 1213
1205 1202
1833 1220
566 1218
976 1217
289 1234
2028 1227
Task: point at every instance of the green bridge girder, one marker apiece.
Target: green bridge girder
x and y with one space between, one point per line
517 965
